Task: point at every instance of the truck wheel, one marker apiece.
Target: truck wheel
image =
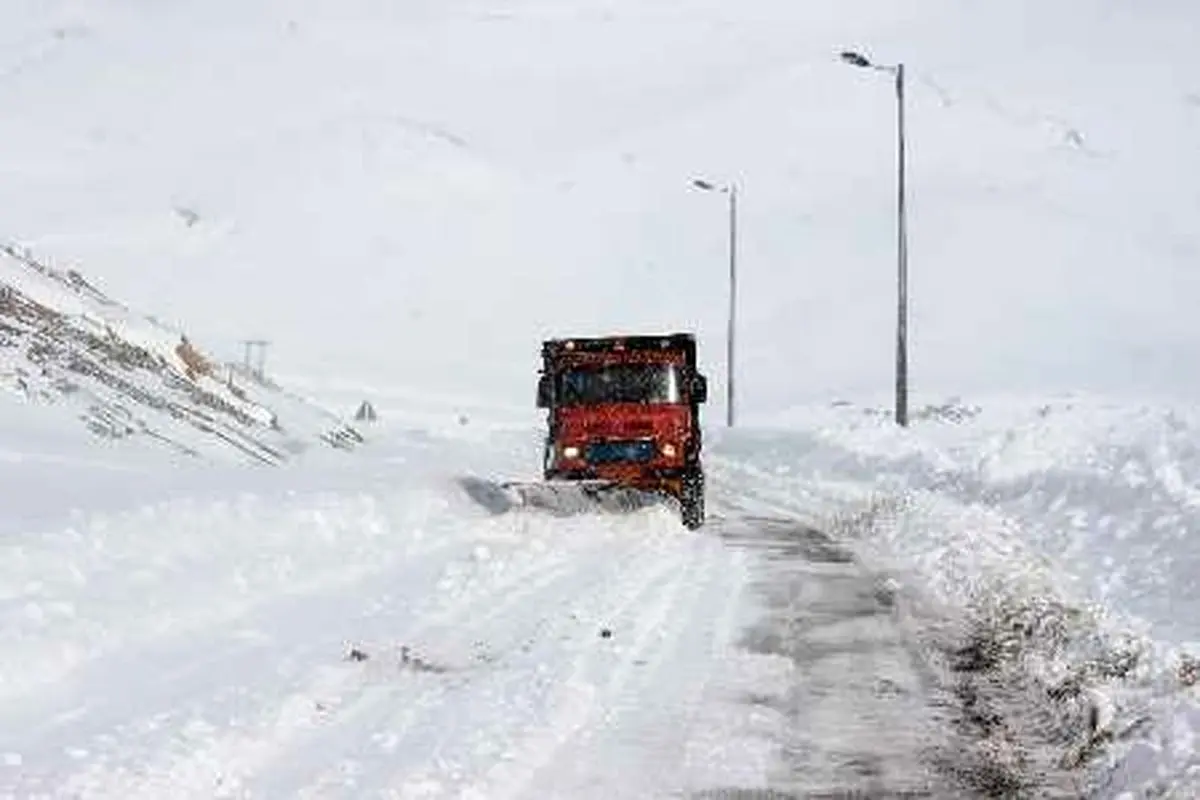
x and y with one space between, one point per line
691 500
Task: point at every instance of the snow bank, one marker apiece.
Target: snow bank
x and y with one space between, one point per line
1060 528
113 581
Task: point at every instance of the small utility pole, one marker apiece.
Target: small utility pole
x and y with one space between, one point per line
256 367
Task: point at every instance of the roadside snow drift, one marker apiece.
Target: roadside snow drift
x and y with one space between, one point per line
1060 528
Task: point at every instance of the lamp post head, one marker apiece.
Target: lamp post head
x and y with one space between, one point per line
856 59
709 186
859 60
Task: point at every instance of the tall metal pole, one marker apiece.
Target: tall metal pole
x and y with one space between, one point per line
859 60
901 260
729 369
731 190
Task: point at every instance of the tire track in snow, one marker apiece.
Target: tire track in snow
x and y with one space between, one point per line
585 692
370 719
328 696
645 700
458 723
303 629
521 718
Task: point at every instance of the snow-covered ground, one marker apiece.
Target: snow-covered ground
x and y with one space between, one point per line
197 642
385 635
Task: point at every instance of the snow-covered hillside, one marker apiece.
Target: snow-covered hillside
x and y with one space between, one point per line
66 344
349 179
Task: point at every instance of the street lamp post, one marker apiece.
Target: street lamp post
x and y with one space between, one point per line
897 71
730 191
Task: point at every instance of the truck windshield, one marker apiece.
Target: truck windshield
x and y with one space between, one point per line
621 383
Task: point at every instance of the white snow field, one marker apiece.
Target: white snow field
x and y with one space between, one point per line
404 198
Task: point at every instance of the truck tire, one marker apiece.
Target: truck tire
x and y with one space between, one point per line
691 500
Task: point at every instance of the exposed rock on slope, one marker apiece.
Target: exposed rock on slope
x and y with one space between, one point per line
64 342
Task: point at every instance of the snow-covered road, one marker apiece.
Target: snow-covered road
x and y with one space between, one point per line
366 628
486 666
340 646
860 719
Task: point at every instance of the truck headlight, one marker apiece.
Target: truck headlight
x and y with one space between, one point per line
668 450
570 451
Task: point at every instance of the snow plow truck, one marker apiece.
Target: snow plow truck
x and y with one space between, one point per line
623 425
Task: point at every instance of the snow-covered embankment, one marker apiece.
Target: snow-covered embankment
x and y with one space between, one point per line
1057 535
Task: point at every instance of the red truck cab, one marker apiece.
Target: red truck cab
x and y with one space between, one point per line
626 410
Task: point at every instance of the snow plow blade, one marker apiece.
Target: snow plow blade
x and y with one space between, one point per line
560 498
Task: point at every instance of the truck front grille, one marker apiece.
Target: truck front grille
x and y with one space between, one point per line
613 452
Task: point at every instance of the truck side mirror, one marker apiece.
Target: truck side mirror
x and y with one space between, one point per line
699 389
545 392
